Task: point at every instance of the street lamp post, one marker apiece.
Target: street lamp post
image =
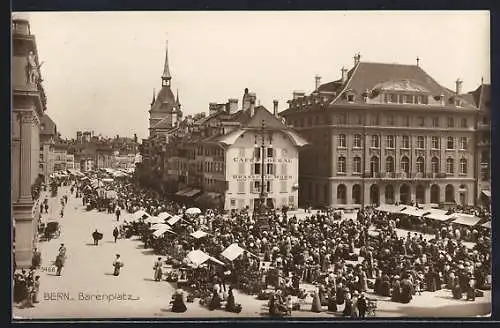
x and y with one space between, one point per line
262 209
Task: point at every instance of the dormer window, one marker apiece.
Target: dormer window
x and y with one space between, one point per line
458 103
408 99
350 98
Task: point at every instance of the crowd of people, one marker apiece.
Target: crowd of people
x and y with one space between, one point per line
318 251
334 260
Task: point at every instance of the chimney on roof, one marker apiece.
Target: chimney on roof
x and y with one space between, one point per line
298 94
252 107
275 107
458 84
441 99
233 105
418 61
357 58
317 81
344 74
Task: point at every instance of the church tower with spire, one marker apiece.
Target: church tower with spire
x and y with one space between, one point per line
165 111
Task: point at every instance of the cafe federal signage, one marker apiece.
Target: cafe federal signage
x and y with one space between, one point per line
266 160
258 177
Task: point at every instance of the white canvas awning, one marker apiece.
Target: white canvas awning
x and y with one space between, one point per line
232 252
197 257
164 215
191 192
173 220
486 193
160 232
389 208
466 220
157 226
182 191
199 234
139 214
153 220
414 211
438 215
193 211
486 225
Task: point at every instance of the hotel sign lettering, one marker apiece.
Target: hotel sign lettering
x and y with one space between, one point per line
258 177
266 160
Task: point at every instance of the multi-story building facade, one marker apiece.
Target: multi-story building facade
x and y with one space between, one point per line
28 107
220 156
59 156
385 133
48 137
482 99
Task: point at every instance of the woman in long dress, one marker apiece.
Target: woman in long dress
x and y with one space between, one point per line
332 301
230 305
178 304
316 304
215 302
348 306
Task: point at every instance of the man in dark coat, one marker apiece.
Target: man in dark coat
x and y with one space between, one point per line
396 290
118 213
362 306
406 291
115 233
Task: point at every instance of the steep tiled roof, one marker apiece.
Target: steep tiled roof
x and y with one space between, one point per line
334 86
481 96
165 123
369 76
165 101
262 114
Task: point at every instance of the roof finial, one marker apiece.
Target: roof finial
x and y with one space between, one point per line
177 97
154 97
166 77
482 80
418 61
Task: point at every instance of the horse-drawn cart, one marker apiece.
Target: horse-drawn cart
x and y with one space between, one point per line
52 230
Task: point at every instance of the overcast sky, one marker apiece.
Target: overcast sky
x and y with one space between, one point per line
100 68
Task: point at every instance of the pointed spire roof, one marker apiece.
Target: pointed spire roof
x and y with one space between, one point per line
166 70
177 98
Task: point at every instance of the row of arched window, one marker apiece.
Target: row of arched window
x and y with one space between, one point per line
404 194
405 142
404 165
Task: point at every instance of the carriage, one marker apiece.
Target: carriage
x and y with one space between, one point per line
52 230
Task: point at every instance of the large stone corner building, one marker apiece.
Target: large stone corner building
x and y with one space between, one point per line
28 106
386 133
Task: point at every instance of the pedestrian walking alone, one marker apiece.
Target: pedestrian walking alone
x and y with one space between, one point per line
117 264
158 272
115 233
118 213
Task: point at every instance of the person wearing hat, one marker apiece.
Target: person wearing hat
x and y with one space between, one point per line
117 264
362 305
157 269
316 304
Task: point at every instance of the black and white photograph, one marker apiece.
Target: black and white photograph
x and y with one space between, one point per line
251 164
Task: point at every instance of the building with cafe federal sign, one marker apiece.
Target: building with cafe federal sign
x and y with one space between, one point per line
221 157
